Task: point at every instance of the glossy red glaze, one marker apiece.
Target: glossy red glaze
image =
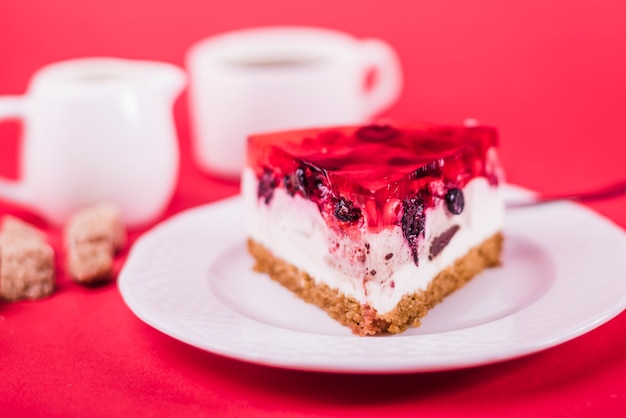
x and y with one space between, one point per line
374 167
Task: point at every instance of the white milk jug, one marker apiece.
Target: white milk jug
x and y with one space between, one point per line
97 130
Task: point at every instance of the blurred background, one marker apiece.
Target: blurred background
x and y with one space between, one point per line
550 75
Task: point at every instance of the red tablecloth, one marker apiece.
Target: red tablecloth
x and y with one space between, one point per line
82 352
549 76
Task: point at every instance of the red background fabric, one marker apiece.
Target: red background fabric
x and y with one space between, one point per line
550 75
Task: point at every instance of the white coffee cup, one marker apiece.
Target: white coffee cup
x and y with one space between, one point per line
276 78
97 130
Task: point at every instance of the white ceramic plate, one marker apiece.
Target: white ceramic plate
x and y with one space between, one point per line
563 274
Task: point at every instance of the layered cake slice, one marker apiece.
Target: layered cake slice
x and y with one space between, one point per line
374 224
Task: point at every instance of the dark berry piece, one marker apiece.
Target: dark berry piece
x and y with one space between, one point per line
432 169
300 179
413 222
376 133
290 185
455 200
373 272
441 241
310 181
388 256
267 184
345 211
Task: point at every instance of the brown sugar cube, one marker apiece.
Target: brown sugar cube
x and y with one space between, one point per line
92 237
26 262
99 223
13 229
91 262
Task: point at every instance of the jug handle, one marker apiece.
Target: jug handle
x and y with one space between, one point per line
380 57
13 107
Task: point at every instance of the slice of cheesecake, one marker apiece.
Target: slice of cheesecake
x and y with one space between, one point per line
374 224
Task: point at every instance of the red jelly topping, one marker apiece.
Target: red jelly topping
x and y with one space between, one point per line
374 176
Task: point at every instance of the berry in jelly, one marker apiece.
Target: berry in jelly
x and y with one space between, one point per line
346 212
290 185
376 133
309 179
455 200
267 184
413 223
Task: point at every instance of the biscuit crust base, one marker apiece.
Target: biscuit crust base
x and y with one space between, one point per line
363 319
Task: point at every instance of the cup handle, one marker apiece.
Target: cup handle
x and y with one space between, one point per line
13 107
380 58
